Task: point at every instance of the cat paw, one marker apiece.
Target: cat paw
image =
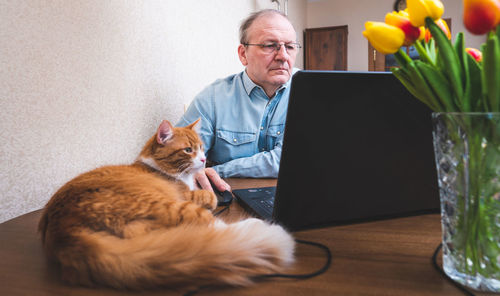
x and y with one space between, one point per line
204 198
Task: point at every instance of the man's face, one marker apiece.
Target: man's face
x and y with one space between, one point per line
269 70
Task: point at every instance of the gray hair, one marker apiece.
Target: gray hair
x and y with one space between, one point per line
246 23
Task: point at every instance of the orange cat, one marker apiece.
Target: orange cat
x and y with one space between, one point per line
143 225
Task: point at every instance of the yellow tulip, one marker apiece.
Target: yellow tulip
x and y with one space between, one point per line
420 9
401 20
383 37
422 33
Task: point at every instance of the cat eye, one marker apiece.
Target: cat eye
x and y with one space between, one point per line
188 150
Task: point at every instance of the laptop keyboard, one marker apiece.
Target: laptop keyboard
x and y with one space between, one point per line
259 200
264 200
266 203
264 207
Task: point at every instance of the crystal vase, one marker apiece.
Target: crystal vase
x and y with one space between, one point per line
467 150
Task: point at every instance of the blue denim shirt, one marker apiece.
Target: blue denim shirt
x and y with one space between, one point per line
242 129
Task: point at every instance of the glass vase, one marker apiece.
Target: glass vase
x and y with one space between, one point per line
467 151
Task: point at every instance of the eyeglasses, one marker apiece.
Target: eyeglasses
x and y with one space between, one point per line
271 47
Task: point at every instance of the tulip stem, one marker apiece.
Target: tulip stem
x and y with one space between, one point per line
422 52
402 58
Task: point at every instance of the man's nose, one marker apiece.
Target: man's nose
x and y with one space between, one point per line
281 53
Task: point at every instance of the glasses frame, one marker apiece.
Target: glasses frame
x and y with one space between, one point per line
276 46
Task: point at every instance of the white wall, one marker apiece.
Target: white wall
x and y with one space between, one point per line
326 13
85 83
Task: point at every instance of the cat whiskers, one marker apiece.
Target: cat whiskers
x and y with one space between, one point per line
183 168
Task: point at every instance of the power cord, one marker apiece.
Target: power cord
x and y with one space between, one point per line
438 268
221 211
307 275
322 270
327 264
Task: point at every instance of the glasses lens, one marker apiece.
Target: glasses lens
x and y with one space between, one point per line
270 47
291 47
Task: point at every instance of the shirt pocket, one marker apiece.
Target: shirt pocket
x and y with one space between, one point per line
274 135
231 145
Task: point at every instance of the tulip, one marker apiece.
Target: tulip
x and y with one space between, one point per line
481 16
401 20
422 33
383 37
420 9
444 27
475 53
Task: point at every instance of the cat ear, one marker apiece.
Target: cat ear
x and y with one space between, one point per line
195 125
165 132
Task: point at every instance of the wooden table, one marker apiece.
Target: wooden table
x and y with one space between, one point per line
387 257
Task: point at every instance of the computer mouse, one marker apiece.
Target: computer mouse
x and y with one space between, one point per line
223 198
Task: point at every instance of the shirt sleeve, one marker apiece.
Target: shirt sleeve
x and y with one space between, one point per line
261 165
201 107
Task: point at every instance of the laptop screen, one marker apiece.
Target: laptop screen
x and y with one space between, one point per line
357 146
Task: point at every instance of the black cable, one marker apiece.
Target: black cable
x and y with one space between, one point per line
436 266
221 211
280 275
307 275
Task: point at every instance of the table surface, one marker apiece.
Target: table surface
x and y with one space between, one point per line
384 257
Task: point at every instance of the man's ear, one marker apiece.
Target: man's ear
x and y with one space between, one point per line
242 54
195 126
165 132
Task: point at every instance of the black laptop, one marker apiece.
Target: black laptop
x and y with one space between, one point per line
357 147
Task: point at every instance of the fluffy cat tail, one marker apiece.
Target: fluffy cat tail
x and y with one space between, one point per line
216 254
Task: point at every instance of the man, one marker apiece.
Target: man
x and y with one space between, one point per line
243 116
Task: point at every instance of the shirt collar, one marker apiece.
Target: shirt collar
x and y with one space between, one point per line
249 85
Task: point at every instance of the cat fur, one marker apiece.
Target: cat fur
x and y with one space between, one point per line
142 225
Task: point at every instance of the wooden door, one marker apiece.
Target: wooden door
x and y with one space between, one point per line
325 48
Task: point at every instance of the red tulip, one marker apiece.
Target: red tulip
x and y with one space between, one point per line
481 16
475 53
441 24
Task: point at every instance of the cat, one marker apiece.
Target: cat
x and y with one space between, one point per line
145 225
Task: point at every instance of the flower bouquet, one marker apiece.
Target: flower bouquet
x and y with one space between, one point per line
462 86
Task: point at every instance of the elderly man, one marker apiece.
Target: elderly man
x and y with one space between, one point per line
243 115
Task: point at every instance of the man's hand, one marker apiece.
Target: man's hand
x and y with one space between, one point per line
203 176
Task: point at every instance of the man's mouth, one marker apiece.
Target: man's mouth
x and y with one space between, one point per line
279 69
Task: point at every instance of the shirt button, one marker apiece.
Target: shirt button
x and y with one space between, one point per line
234 140
261 128
278 133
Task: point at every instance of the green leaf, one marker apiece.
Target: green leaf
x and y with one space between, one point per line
422 52
403 76
474 90
422 87
439 85
491 73
450 62
465 103
431 50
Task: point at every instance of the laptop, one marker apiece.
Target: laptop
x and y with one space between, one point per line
357 147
